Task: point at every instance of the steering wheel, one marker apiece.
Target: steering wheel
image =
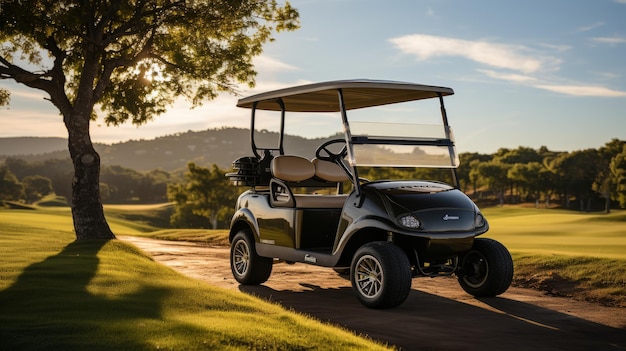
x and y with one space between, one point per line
331 156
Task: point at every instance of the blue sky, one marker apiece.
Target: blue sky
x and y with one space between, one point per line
525 73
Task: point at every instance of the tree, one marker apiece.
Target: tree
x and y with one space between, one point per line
10 187
207 197
530 176
57 170
576 172
36 187
493 174
605 182
468 161
520 155
132 59
618 176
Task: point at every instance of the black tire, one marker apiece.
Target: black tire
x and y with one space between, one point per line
381 275
247 266
488 269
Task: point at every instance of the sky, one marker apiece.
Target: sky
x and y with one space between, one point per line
525 73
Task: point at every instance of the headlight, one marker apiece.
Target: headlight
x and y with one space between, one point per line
479 221
409 221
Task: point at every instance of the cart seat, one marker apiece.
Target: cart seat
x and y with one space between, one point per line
292 168
329 171
295 169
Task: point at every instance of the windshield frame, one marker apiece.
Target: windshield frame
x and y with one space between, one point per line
354 94
351 140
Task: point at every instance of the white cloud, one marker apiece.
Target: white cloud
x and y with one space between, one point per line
567 89
512 77
498 55
559 48
590 27
504 56
582 90
610 40
266 63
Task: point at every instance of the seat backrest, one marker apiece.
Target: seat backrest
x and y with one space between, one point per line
292 168
329 171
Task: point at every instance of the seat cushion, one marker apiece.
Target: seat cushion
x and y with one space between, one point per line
292 168
328 171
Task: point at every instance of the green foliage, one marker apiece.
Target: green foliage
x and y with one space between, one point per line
555 181
36 187
205 200
57 170
10 187
5 97
136 58
493 174
118 184
520 155
133 59
618 176
127 185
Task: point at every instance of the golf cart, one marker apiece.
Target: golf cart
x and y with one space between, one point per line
383 232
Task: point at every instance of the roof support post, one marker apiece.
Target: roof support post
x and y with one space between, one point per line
348 136
452 152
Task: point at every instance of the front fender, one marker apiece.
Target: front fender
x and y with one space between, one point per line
243 219
381 225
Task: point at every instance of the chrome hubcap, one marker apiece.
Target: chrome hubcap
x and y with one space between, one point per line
369 276
241 257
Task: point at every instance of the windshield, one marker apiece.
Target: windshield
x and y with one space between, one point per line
380 144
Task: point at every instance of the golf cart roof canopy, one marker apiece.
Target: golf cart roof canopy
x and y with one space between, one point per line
359 93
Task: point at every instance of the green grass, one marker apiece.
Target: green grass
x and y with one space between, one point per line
550 232
214 237
582 255
57 294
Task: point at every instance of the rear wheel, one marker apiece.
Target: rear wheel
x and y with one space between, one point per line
381 275
247 266
488 269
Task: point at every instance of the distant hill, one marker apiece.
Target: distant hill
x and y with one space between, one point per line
31 145
169 153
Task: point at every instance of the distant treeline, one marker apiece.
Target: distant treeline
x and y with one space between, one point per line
117 184
587 180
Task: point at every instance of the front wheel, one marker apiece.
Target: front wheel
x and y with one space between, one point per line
488 269
381 275
247 266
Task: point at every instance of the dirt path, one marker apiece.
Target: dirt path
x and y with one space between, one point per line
438 315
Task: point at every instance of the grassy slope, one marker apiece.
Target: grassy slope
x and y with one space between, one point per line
56 294
582 255
550 232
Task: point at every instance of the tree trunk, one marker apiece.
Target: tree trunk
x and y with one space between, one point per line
87 211
214 221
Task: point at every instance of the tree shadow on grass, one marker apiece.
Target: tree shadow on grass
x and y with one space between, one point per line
49 307
431 322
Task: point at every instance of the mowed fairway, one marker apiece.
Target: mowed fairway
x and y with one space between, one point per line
557 232
565 253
